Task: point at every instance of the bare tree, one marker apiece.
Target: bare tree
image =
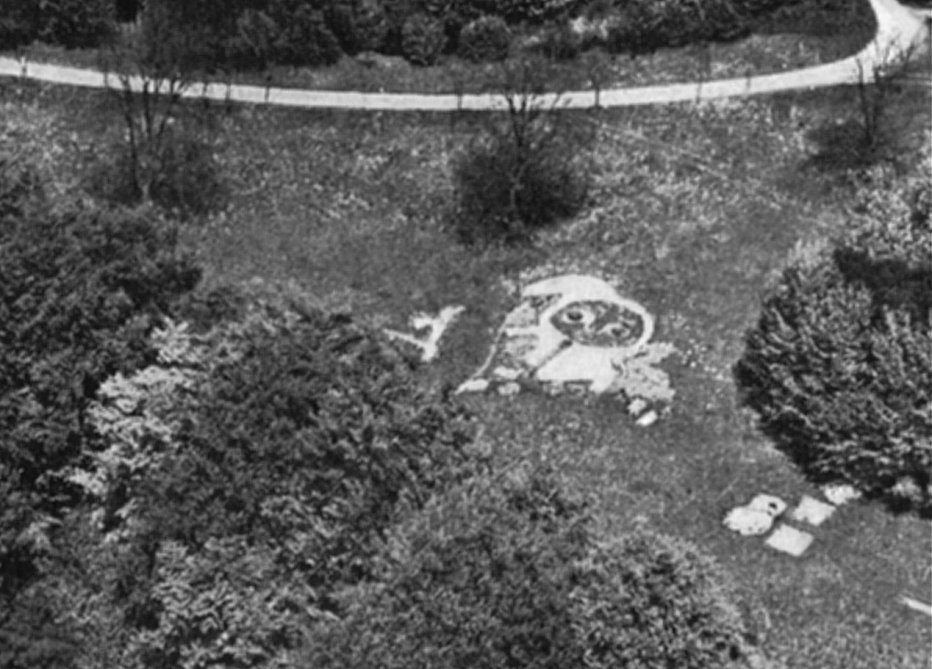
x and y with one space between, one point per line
878 85
152 72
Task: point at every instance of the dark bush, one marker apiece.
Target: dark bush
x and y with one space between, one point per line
359 25
839 366
79 290
254 44
507 574
303 438
19 22
648 25
560 42
76 23
648 600
19 184
516 11
321 411
212 34
522 176
303 37
189 35
422 39
486 39
479 579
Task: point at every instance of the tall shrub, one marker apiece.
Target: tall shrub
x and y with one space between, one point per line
19 22
486 39
839 365
422 39
505 573
525 172
76 23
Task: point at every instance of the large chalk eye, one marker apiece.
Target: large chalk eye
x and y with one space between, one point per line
575 316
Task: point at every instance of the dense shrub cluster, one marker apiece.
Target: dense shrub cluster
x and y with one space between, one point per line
360 25
79 291
252 471
19 23
486 39
647 25
76 23
839 366
68 23
504 574
523 175
422 39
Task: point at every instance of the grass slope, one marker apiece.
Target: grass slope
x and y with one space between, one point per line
693 213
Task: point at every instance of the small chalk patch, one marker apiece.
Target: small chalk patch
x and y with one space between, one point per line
840 493
473 386
637 406
506 373
648 419
812 511
789 540
508 389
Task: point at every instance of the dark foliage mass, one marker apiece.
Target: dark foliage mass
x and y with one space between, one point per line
79 290
422 39
320 411
523 173
486 39
839 366
68 23
506 573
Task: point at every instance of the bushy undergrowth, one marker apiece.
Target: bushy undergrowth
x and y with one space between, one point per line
19 23
647 25
68 23
486 39
257 466
77 23
505 573
178 172
79 291
839 366
521 175
422 39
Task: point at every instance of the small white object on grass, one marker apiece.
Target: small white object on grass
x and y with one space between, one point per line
840 493
756 517
636 406
648 419
508 389
473 386
789 540
812 511
506 373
